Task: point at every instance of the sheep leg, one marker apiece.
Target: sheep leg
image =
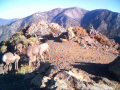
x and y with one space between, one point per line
42 57
10 67
48 53
38 61
16 65
30 63
5 68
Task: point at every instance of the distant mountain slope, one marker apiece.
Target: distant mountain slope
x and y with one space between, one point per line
105 21
6 21
70 17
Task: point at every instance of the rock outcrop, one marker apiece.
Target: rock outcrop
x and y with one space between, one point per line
52 78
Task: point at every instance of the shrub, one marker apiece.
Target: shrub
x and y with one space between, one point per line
3 49
18 38
25 69
25 42
33 40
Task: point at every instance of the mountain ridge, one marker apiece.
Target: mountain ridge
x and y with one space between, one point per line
103 20
6 21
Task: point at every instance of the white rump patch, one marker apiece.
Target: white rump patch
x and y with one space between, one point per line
4 58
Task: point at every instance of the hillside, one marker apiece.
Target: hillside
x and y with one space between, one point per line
80 59
6 21
104 21
65 56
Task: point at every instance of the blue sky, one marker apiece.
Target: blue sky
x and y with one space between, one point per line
20 8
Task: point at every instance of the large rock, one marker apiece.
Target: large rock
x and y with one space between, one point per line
36 80
114 67
74 79
45 73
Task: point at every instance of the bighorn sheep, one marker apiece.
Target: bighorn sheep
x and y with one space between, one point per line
33 51
9 58
44 48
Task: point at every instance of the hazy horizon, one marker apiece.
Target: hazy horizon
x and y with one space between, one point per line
21 8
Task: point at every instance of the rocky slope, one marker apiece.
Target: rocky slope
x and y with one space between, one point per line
70 67
70 17
81 64
105 21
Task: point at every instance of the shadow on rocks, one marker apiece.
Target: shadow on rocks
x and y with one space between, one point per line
96 69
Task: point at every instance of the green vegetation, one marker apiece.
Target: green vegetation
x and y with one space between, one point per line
3 49
33 40
18 37
25 69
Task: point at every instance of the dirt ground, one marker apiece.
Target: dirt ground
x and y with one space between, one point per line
67 54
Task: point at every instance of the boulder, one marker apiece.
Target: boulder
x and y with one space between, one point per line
44 74
36 81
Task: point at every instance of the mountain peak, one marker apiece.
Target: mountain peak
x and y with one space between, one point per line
75 12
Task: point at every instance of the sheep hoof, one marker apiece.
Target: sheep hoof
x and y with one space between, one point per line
38 65
16 69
